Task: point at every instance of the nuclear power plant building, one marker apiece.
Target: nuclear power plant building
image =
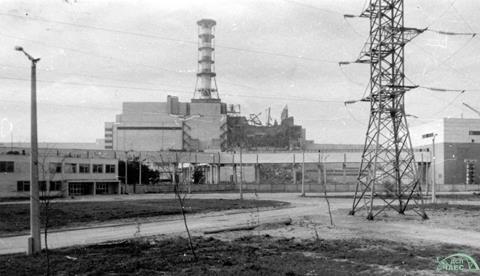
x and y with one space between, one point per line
172 125
201 124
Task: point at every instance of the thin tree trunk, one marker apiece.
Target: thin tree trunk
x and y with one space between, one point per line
328 204
325 192
182 208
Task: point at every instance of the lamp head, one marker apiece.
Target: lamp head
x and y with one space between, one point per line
18 48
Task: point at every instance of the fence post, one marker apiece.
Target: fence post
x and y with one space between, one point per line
303 173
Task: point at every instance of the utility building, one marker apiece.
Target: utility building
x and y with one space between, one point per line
454 145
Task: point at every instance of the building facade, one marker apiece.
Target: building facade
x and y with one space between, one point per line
454 145
61 174
198 125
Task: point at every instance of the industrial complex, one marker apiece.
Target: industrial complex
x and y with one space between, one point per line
203 124
221 149
268 141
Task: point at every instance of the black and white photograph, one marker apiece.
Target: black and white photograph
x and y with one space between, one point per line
246 137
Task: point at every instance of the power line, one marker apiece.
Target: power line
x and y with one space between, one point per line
96 84
324 10
312 7
157 89
445 12
85 75
445 64
463 19
90 53
109 58
40 103
447 105
176 90
255 51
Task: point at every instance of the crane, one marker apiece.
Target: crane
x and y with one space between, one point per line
472 109
254 119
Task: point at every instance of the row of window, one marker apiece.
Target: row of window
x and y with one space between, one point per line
24 186
74 189
9 167
82 168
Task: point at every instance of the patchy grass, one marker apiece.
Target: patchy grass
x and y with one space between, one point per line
446 206
16 218
436 207
253 255
474 196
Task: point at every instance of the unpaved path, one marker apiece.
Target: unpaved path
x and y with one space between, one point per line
309 215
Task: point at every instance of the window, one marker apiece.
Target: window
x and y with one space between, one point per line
55 168
84 168
109 168
70 168
42 185
97 168
55 185
474 132
80 188
6 166
102 189
23 186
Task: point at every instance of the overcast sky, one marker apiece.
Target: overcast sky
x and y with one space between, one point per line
97 54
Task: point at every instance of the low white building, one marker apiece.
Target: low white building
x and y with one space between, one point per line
454 145
61 173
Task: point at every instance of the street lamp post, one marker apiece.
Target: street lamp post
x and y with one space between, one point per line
434 159
34 243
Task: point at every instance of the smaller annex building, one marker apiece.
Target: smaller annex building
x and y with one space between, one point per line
454 146
61 173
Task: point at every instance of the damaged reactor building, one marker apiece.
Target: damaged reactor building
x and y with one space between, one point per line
203 124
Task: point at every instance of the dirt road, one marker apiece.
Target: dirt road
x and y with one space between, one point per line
305 212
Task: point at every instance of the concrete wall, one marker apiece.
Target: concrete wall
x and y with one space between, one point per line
340 177
207 128
146 126
162 138
154 126
168 188
455 167
458 130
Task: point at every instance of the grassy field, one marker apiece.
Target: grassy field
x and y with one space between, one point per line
15 217
251 255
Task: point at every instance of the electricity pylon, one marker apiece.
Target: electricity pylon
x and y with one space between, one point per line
388 170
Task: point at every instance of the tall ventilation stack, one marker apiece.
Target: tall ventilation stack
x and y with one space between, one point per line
206 86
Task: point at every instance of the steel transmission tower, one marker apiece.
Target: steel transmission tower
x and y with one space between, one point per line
388 170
